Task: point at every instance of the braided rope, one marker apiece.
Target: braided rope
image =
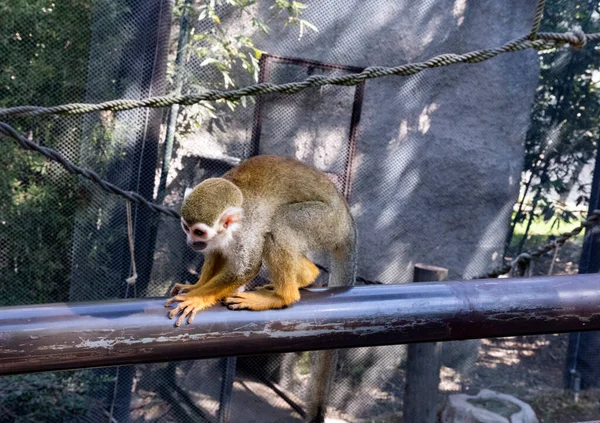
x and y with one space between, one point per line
537 20
575 38
543 41
5 129
54 155
592 219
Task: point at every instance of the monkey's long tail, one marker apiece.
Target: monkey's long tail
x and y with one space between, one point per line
323 371
342 273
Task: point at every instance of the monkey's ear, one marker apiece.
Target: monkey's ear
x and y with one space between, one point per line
231 216
187 192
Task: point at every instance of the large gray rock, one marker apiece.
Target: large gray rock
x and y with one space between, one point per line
487 407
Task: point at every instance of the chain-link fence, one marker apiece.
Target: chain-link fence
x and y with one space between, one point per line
431 165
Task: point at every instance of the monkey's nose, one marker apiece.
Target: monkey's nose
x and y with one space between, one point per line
199 245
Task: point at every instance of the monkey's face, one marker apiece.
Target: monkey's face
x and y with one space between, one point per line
202 237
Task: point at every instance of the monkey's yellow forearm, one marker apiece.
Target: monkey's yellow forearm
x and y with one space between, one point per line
202 296
213 264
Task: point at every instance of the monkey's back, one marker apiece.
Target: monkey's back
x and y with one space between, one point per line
282 180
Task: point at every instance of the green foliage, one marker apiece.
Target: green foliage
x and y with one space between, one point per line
50 397
44 49
36 214
228 50
565 122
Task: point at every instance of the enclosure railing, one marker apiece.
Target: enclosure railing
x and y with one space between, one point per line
80 335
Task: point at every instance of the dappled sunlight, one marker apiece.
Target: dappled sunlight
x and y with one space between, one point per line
458 11
508 351
485 252
424 117
323 155
450 380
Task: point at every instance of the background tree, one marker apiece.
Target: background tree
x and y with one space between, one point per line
562 138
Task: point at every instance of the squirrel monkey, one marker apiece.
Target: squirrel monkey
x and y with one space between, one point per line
274 210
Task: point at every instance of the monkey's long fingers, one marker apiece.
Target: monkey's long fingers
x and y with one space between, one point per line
175 299
187 310
192 315
233 302
176 311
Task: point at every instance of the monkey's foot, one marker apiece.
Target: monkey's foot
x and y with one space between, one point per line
260 300
182 288
189 305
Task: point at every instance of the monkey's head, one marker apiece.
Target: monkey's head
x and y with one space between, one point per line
210 213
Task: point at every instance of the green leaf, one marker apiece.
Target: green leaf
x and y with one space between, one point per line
227 79
298 5
208 61
258 53
309 25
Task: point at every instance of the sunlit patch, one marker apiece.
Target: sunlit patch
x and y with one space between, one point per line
508 351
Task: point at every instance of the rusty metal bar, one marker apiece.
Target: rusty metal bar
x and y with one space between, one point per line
69 336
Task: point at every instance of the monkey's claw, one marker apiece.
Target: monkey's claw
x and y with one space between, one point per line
188 307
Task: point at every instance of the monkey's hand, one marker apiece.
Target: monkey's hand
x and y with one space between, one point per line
182 288
190 304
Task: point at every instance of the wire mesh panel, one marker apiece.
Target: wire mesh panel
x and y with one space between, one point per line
430 163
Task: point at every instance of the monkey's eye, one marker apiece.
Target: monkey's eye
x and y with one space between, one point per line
198 232
185 228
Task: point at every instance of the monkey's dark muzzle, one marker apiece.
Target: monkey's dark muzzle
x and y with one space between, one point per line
199 245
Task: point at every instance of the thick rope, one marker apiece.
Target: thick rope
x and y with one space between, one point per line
520 261
575 38
54 155
543 41
525 258
537 20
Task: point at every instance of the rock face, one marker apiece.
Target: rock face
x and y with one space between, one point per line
438 154
487 407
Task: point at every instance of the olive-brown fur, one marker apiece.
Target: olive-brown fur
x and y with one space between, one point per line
203 206
276 180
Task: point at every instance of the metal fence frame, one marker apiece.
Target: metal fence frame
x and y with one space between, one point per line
121 332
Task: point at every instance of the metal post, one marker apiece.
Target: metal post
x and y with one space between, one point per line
227 389
423 365
583 361
151 47
182 43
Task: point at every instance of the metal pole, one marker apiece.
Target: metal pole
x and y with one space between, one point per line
71 336
224 413
583 365
423 365
182 42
